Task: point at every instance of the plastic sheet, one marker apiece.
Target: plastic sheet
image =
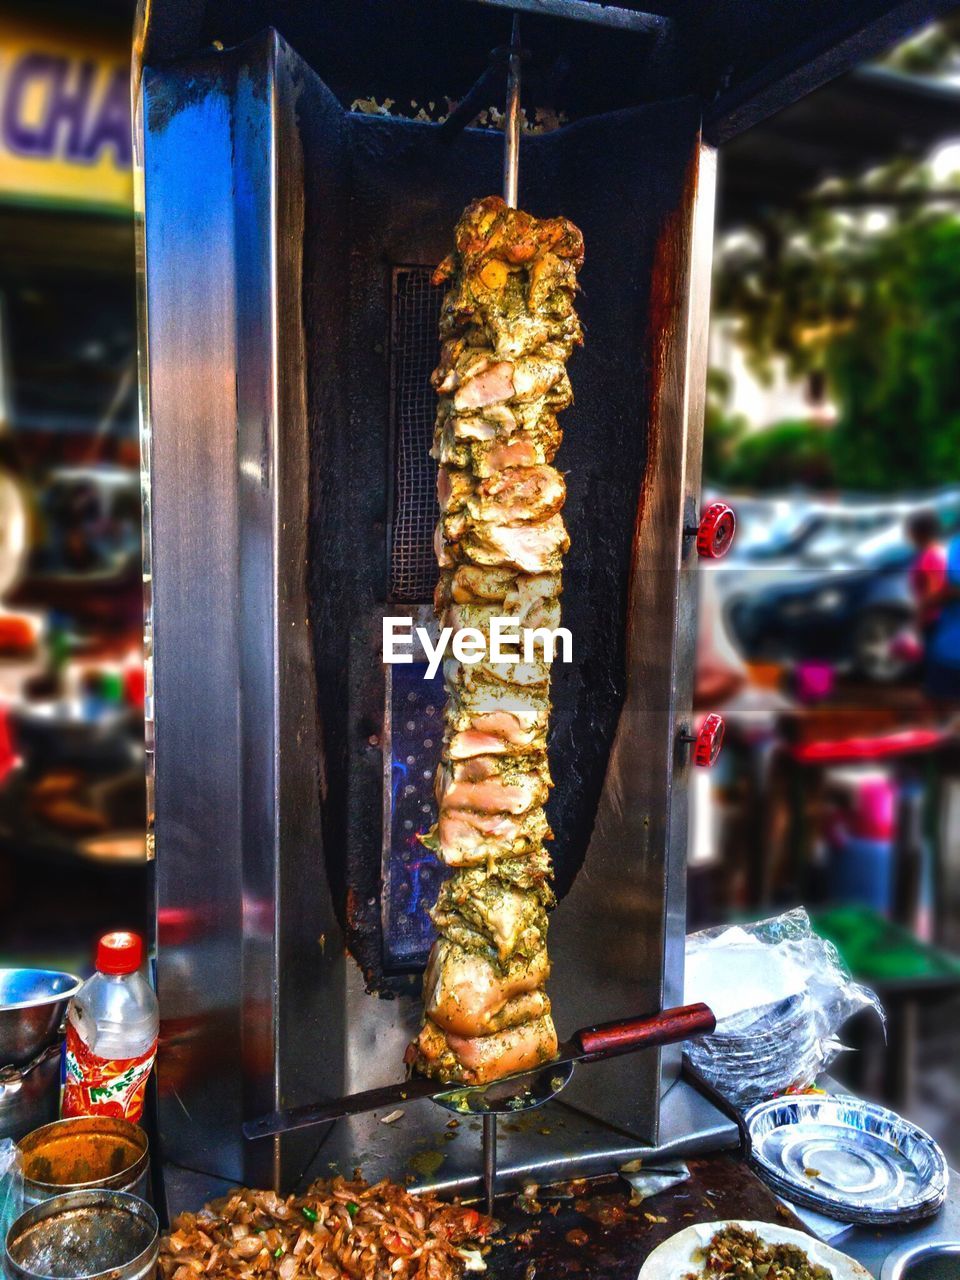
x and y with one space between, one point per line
11 1187
649 1180
780 994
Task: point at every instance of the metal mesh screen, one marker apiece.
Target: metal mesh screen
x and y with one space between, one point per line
416 314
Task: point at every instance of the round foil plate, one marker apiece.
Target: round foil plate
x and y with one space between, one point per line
847 1158
676 1258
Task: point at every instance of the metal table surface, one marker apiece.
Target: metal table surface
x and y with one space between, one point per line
593 1232
596 1233
589 1229
556 1137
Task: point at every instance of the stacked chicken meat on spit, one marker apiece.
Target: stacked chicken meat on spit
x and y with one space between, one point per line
508 327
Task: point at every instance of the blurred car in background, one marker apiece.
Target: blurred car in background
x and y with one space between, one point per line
820 535
848 616
812 581
788 532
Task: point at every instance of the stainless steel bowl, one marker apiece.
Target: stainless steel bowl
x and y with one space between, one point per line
85 1235
30 1095
32 1006
936 1260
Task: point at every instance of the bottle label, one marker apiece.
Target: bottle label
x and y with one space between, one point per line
104 1086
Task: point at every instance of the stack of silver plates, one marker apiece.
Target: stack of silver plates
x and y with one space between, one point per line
759 1052
847 1158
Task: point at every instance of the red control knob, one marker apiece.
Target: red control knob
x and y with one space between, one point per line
715 531
708 741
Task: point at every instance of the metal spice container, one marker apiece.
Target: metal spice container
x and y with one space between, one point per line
84 1153
85 1235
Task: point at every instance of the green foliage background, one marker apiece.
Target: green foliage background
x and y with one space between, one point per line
874 311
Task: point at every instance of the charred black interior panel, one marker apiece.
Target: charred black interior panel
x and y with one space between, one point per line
744 60
383 194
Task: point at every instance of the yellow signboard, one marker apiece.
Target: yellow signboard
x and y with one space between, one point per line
64 119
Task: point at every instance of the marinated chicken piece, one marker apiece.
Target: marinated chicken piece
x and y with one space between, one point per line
470 696
524 1008
465 994
514 310
491 385
493 784
477 379
491 230
480 1059
471 584
529 591
529 548
492 422
505 324
512 920
486 457
501 422
465 838
484 584
516 334
532 873
540 376
480 384
519 496
455 929
496 734
480 617
509 772
533 420
519 1049
533 676
551 285
454 487
508 326
464 991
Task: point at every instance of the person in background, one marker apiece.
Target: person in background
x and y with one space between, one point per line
928 576
928 573
942 656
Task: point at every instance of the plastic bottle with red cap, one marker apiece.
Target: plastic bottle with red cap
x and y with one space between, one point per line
112 1026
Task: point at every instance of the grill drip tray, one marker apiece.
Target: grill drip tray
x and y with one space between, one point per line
552 1143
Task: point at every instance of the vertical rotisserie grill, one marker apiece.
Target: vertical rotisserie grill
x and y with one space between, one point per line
290 760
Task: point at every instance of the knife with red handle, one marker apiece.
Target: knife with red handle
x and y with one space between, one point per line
590 1044
625 1035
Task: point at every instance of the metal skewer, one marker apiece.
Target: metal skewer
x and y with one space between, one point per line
490 1160
511 179
511 121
